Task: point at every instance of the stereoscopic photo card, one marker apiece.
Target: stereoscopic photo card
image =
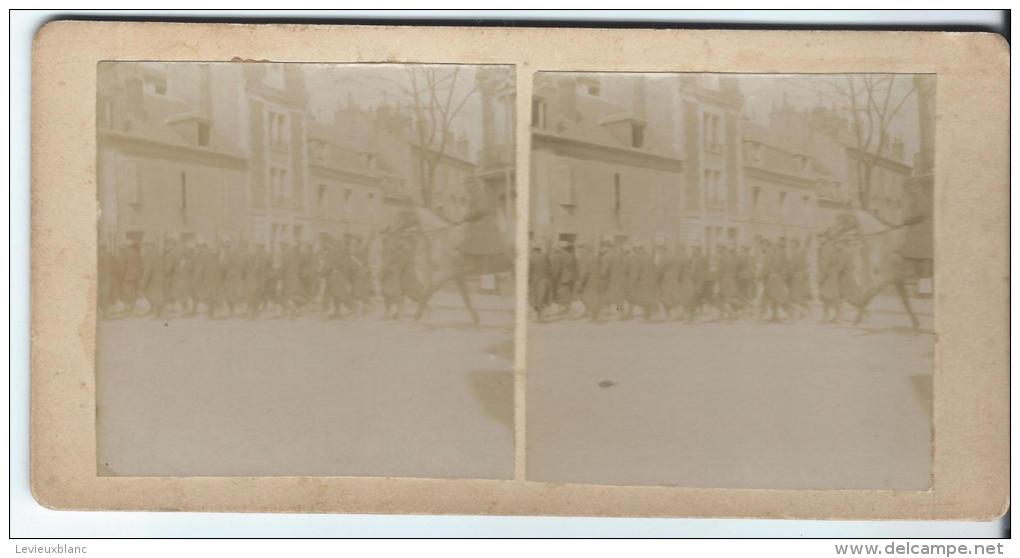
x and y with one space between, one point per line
528 271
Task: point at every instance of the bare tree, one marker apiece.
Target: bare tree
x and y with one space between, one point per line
434 100
435 95
872 102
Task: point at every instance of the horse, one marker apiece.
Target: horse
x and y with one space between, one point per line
862 227
475 246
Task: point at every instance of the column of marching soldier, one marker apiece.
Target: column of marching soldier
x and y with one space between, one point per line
188 277
616 280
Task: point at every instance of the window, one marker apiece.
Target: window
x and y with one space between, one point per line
716 133
279 133
203 133
279 185
129 183
594 88
617 201
714 189
321 194
782 204
711 132
105 113
538 113
563 186
284 184
637 135
755 198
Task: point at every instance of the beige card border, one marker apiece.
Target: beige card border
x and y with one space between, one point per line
971 406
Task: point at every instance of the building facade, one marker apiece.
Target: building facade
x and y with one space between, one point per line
163 168
346 190
412 171
781 185
709 110
209 151
597 172
497 156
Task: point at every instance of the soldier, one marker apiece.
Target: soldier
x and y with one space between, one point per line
181 279
563 274
309 274
849 288
800 292
645 282
632 275
745 276
829 261
590 277
670 281
338 285
398 275
129 267
730 299
615 279
234 264
107 274
360 275
207 279
710 283
775 273
290 278
272 294
538 280
696 276
170 255
153 281
256 273
389 275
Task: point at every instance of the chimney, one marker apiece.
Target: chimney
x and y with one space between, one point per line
640 100
729 87
133 99
567 97
204 92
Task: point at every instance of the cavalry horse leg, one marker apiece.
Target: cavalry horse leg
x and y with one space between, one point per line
466 297
429 293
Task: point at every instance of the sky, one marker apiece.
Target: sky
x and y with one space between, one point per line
807 91
370 85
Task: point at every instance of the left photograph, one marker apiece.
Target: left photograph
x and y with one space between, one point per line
305 269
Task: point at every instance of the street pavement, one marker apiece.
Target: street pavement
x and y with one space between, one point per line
186 397
742 405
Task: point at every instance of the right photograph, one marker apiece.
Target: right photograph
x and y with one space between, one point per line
730 280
